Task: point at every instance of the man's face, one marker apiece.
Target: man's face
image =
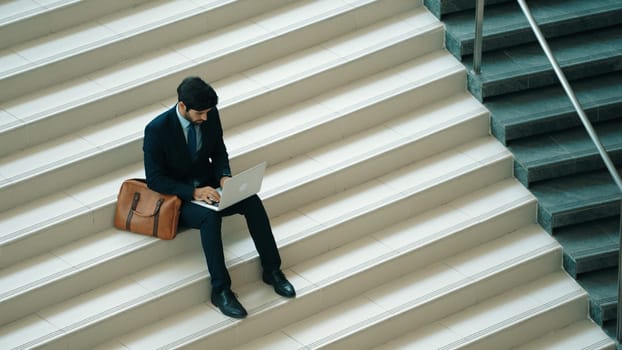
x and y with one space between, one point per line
193 116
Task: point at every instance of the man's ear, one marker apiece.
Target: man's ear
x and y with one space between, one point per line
183 107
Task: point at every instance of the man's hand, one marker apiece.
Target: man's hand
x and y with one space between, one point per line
207 194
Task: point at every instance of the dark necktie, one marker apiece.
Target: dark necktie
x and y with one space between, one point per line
192 141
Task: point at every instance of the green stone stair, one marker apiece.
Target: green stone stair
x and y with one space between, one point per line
505 25
442 8
526 66
601 285
565 152
597 249
548 109
578 201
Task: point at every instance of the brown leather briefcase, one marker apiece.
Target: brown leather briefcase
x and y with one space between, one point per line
141 210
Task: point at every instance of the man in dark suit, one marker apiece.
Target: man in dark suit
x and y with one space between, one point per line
185 155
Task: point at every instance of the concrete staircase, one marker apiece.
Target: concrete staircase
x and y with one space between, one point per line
578 202
397 216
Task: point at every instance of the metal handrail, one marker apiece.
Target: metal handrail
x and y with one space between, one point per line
562 78
477 58
592 133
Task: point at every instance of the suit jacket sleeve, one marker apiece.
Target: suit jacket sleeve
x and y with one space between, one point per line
220 157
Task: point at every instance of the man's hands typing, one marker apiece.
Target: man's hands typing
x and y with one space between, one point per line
207 194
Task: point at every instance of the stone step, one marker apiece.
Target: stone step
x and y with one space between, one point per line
590 246
504 321
283 189
61 218
125 129
385 192
346 160
145 79
348 303
440 8
576 199
22 21
579 335
525 66
506 26
120 36
57 165
548 109
602 287
565 153
311 230
611 329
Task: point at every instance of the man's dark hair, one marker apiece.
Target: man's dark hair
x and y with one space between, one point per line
196 94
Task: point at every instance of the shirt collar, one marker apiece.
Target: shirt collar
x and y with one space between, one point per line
184 122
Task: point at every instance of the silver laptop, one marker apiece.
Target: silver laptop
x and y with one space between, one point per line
237 188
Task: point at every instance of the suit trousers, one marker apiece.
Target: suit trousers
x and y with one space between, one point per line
209 223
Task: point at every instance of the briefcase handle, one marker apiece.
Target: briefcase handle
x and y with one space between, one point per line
155 214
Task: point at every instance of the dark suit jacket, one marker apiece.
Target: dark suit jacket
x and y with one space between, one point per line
168 166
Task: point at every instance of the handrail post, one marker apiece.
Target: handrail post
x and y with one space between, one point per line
477 42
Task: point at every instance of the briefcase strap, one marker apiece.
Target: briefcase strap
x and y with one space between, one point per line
156 217
156 213
128 220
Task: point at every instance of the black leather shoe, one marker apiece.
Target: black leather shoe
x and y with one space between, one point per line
228 304
281 285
